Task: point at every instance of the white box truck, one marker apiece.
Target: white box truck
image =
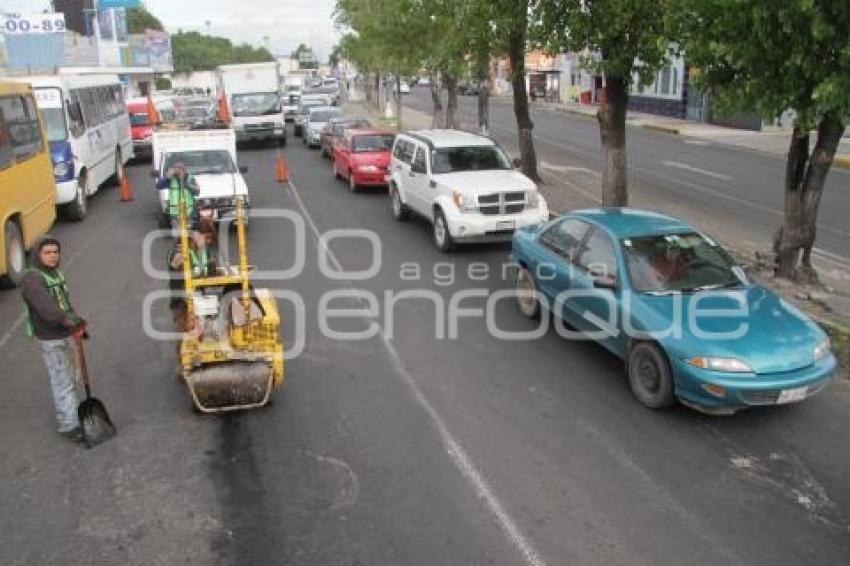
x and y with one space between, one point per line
254 100
208 155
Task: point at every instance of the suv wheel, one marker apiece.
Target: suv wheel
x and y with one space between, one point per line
442 237
400 210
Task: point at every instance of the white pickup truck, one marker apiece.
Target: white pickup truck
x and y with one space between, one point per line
210 157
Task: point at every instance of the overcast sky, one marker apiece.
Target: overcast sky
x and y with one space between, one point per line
286 22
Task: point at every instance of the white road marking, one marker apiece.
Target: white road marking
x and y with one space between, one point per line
691 168
458 455
569 169
697 142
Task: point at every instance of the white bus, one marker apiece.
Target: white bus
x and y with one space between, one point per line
89 133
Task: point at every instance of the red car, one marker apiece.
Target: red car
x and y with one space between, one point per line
140 126
363 157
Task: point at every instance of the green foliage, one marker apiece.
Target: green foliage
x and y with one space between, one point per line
193 51
405 36
630 36
772 56
163 83
139 19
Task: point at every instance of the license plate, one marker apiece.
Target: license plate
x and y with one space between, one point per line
508 225
792 395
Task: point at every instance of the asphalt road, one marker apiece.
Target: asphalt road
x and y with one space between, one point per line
401 448
719 186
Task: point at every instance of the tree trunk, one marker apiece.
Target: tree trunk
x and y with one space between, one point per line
398 103
805 176
612 128
450 82
483 99
516 53
437 119
367 86
378 90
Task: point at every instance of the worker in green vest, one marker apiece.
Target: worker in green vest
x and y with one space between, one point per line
202 255
53 322
182 188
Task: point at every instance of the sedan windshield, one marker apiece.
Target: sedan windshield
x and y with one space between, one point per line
378 142
261 104
320 116
457 159
139 119
679 262
209 162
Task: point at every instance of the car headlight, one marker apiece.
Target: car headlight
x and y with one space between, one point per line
727 365
532 199
63 169
822 350
464 203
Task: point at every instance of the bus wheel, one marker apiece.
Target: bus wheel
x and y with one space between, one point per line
78 209
14 253
119 168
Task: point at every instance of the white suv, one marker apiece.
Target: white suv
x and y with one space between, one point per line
464 184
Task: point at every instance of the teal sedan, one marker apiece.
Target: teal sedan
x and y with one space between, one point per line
671 303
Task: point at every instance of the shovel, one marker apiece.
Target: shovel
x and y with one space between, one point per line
96 425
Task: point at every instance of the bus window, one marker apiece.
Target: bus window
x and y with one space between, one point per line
50 104
6 151
75 114
22 121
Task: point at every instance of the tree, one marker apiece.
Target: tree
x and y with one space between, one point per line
139 19
193 51
516 28
622 39
773 57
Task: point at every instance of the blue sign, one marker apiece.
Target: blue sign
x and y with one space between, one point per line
107 4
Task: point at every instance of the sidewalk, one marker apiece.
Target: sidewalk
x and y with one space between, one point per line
770 139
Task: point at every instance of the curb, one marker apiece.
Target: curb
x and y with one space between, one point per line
842 161
663 129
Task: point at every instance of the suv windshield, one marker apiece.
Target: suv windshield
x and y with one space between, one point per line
260 104
377 142
206 162
679 262
456 159
323 115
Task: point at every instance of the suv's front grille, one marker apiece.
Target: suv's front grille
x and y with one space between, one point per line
260 126
495 204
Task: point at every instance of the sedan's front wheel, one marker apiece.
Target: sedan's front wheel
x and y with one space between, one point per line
650 377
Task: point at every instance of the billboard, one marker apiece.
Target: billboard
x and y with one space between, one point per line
152 49
18 24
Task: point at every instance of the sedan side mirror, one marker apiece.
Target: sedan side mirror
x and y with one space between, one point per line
243 168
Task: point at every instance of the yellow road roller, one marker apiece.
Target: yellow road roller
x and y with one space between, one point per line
231 353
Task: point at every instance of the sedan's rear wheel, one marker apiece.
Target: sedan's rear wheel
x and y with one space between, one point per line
527 294
650 377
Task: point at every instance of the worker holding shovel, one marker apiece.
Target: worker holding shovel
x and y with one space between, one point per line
53 323
60 332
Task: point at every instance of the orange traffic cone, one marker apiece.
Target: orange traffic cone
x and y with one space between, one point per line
281 171
126 191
